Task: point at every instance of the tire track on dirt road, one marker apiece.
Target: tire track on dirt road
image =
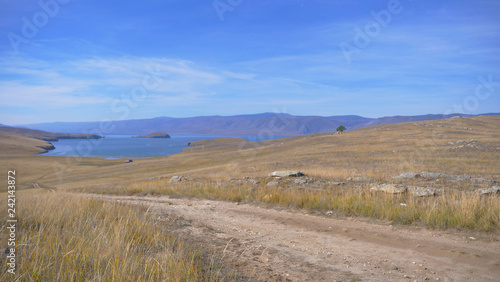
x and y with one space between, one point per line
271 244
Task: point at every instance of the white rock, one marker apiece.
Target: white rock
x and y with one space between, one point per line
286 173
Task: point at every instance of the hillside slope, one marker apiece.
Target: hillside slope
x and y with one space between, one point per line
17 145
44 135
456 146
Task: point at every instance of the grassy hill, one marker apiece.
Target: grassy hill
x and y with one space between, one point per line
44 135
15 145
16 141
378 152
236 170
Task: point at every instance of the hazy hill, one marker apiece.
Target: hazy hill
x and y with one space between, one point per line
44 135
257 124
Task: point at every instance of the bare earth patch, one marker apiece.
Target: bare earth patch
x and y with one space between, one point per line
281 245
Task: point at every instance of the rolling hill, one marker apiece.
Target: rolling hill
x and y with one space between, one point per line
17 145
22 141
44 135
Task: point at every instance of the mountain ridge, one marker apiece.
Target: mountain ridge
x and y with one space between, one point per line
276 124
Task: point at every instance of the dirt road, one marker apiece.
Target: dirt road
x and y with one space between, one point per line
271 244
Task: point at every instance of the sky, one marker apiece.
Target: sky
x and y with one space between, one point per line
63 60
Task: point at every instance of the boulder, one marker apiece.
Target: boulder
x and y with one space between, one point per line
177 178
286 173
490 191
461 177
431 175
407 175
254 180
426 174
389 188
421 191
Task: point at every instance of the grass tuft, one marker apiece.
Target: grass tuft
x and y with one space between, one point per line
453 209
71 238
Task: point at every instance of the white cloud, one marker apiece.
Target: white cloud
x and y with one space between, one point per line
30 83
13 94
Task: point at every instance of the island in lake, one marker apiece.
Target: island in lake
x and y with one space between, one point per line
154 135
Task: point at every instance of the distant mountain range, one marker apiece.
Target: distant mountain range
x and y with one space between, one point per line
257 124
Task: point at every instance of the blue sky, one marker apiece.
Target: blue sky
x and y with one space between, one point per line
110 60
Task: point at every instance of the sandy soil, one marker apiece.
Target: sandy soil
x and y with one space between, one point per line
282 245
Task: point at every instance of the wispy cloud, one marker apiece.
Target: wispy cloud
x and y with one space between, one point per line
97 80
265 55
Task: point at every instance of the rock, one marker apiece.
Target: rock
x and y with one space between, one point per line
480 179
392 267
301 181
461 177
422 192
273 183
335 183
176 178
407 175
286 173
253 180
389 188
426 174
431 175
490 191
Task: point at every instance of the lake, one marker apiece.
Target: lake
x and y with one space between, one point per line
126 146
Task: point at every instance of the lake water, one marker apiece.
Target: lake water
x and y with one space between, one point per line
126 146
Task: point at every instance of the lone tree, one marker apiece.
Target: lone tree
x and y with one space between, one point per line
341 129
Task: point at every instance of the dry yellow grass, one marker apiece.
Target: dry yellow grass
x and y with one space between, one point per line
73 238
65 237
379 152
15 145
453 209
